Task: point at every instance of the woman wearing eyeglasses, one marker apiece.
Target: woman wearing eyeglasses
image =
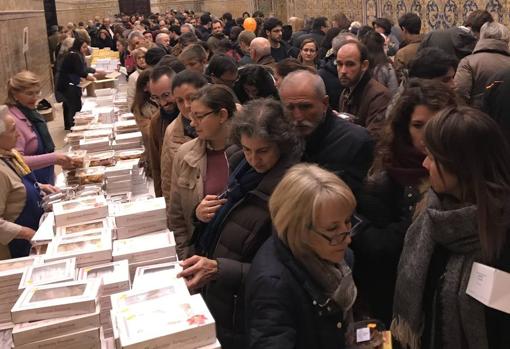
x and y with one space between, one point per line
229 234
299 290
200 168
34 141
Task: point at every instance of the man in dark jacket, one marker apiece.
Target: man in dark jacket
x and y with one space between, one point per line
203 31
363 97
328 71
319 29
458 41
279 49
331 142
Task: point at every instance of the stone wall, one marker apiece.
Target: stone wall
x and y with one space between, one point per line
15 15
81 10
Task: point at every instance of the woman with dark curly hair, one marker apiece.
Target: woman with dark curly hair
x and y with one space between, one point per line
228 236
393 188
254 82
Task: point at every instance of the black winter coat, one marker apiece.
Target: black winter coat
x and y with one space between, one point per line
334 89
341 147
282 305
386 208
243 230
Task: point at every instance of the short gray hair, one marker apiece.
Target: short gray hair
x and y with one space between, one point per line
4 110
340 39
495 30
299 77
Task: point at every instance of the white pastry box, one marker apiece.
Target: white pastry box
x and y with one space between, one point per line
95 144
56 300
49 273
28 332
80 210
125 126
88 250
157 276
122 300
137 211
74 230
183 323
86 339
134 266
145 247
130 137
11 271
45 233
137 229
115 276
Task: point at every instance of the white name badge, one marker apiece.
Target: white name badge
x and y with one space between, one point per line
490 286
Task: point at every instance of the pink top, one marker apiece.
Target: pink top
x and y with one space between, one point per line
217 172
28 143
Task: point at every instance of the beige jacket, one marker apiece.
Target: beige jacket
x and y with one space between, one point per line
174 138
12 201
187 189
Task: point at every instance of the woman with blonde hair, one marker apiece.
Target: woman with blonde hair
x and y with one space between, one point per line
299 289
34 141
139 57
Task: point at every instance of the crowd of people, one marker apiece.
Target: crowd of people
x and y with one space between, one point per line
317 173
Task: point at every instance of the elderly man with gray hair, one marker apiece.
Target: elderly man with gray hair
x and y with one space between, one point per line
331 142
491 55
20 194
328 71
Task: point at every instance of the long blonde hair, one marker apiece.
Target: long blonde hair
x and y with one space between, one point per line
22 81
297 198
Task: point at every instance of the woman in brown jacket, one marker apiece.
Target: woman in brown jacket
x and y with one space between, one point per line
200 167
184 86
229 234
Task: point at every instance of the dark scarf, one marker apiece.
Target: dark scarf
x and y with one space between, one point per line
40 127
169 116
443 223
407 168
352 97
243 180
188 129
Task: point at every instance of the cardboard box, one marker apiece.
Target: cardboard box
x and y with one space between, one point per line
134 212
45 233
145 227
11 271
490 286
122 300
169 322
49 273
129 137
115 276
28 332
80 210
56 300
87 339
157 276
146 247
125 126
88 250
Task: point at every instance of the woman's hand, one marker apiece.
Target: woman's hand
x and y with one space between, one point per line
63 160
25 233
90 77
208 207
198 271
48 188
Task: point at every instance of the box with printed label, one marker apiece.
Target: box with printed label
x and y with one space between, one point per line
86 339
115 276
157 276
136 211
168 322
134 266
141 228
49 273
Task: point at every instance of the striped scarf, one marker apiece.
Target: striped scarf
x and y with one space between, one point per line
15 160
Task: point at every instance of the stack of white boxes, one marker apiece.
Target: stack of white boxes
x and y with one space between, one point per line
115 276
58 316
11 273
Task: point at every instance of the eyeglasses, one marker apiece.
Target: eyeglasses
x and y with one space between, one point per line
199 118
165 96
335 240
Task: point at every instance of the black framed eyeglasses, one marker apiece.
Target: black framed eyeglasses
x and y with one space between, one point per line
199 118
334 240
164 96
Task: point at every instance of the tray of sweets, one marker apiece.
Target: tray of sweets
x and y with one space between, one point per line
78 157
105 158
129 154
90 175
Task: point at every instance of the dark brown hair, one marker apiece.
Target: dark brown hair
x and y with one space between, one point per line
395 137
217 97
470 145
141 96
